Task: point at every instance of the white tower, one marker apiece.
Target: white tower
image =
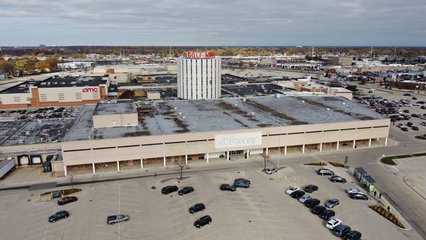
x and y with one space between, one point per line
199 76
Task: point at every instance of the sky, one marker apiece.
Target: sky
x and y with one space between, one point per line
213 22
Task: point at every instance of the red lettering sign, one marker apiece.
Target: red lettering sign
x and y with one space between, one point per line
90 89
200 55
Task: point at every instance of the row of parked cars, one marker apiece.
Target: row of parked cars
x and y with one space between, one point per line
324 212
64 214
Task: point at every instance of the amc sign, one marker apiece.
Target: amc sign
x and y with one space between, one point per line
90 89
200 55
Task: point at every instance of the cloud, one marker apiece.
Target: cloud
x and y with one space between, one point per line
213 22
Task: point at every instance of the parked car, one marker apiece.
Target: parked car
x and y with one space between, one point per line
292 189
330 203
113 219
311 203
227 187
297 194
337 179
325 171
415 128
241 183
270 171
358 196
352 190
423 124
318 210
203 221
409 124
423 107
405 129
304 198
58 216
169 189
327 214
406 94
353 235
332 223
185 190
67 199
341 230
406 111
414 98
310 188
196 208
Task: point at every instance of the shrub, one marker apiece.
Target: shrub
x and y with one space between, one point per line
388 215
316 164
388 160
337 164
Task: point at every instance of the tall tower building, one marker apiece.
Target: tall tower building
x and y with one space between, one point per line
199 76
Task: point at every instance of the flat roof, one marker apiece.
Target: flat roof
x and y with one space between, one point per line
115 107
181 116
57 82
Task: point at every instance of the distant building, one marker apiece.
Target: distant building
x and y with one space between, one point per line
55 91
76 65
343 61
199 76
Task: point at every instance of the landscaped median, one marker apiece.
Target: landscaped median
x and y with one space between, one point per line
316 164
390 160
388 215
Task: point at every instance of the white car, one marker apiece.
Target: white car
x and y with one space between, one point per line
332 223
270 170
352 190
292 189
304 198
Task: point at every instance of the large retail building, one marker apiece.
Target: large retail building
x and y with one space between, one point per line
119 135
55 91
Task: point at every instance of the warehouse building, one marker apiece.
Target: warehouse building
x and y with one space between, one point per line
55 91
167 133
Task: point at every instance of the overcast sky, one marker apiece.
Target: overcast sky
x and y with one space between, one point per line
213 22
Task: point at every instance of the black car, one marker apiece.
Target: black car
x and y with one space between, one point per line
203 221
318 210
196 208
406 111
415 128
227 187
310 188
185 190
169 189
358 196
297 194
423 107
59 215
353 235
311 203
409 124
66 200
241 183
327 214
414 98
337 179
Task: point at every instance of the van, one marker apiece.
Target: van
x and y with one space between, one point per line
324 171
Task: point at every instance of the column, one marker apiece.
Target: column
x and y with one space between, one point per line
93 168
248 154
267 151
118 166
186 159
227 155
337 146
320 147
354 144
386 141
141 163
285 150
65 170
207 157
303 148
369 142
164 161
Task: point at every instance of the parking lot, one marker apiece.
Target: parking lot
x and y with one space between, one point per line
263 211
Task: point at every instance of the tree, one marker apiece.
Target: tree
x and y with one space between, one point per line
7 67
128 94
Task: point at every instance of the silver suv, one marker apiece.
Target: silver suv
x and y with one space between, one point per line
117 218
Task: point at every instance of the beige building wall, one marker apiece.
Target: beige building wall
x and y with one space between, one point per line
134 148
15 98
115 120
69 94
